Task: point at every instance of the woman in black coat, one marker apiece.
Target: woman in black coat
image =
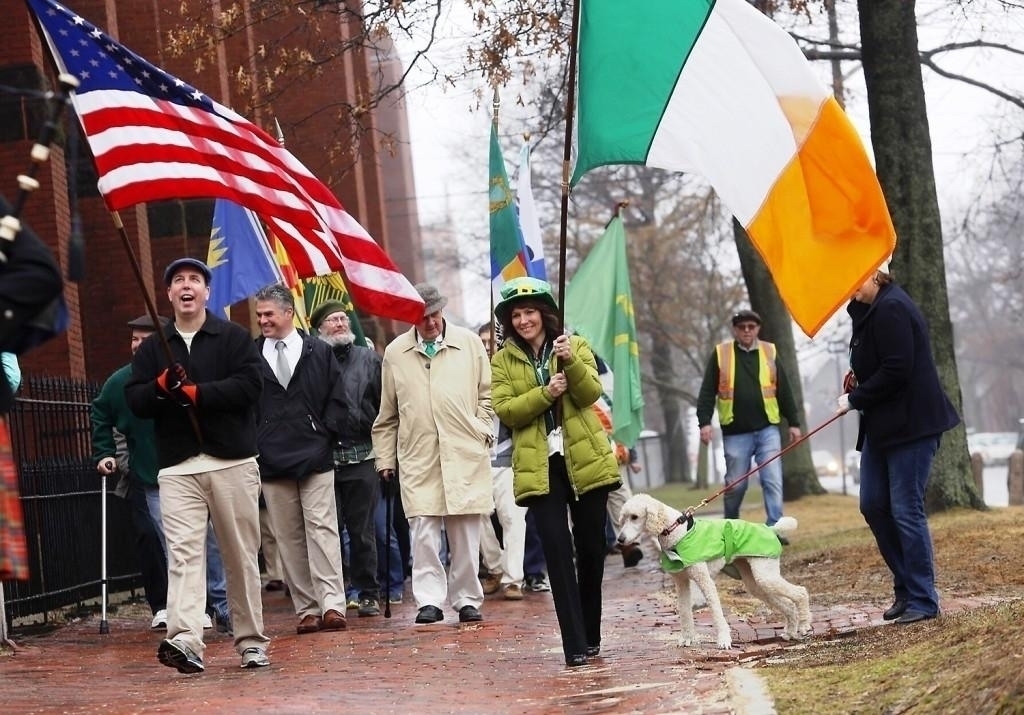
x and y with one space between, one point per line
903 415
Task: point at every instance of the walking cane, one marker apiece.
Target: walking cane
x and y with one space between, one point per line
387 546
104 626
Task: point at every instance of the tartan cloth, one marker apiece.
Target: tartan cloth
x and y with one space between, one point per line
352 455
13 550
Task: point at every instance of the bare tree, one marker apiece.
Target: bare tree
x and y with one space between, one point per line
903 153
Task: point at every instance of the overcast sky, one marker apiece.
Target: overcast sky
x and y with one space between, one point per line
450 140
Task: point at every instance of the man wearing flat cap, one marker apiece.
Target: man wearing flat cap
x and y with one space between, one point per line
356 484
202 400
748 386
437 377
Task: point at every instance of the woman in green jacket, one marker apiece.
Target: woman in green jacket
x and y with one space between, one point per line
543 386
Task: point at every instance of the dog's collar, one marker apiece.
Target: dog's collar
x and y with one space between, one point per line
683 519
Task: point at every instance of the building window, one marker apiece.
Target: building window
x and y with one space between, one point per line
170 219
20 116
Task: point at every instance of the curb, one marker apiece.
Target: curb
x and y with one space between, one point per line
748 693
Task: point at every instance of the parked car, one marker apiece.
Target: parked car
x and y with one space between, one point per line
994 447
853 465
825 463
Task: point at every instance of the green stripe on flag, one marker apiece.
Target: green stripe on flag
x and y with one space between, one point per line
630 57
508 254
320 289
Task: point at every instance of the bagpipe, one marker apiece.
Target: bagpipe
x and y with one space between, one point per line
32 308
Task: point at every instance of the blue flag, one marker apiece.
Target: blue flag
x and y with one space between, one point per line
239 257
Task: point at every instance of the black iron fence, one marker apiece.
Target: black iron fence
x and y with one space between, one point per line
61 500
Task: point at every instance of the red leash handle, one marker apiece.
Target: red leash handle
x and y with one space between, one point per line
707 500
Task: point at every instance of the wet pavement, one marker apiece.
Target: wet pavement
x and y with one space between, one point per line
510 663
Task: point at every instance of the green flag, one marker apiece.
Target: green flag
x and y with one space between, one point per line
320 289
599 306
508 254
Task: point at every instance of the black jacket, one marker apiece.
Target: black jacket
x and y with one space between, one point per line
358 392
29 282
297 426
898 390
225 365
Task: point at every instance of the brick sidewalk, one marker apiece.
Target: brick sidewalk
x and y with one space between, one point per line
510 663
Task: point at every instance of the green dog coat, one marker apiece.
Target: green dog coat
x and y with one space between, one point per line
711 539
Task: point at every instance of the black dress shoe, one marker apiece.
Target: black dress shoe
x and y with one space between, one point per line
429 614
895 610
593 651
914 617
469 614
576 660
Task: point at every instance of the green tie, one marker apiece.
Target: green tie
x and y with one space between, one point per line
429 348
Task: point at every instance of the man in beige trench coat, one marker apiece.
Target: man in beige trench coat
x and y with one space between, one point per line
435 426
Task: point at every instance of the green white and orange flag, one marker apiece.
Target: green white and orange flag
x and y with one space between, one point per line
716 88
599 306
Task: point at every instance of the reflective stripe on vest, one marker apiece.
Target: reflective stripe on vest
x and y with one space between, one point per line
767 375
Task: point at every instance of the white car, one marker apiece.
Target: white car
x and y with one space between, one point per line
824 463
994 447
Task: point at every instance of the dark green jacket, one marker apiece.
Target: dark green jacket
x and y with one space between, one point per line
520 402
110 411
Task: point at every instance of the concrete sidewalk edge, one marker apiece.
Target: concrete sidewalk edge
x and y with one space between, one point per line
748 692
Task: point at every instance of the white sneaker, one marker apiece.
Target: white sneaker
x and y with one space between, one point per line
160 619
207 621
255 658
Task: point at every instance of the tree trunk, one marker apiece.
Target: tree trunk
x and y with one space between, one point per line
903 156
674 439
798 475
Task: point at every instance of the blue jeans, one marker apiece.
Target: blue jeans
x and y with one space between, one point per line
759 446
892 487
533 560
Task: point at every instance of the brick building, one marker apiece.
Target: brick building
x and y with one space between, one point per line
109 295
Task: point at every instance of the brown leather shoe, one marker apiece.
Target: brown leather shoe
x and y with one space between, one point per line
334 621
309 624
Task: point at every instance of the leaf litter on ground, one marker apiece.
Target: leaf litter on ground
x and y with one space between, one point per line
969 662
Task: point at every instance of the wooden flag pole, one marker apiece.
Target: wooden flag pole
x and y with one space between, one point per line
151 309
570 109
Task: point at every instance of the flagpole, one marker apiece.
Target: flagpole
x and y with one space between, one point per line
570 109
151 309
495 106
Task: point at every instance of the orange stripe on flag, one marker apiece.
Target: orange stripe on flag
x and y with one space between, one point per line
823 220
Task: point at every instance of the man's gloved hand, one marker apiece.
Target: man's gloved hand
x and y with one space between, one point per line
175 383
843 404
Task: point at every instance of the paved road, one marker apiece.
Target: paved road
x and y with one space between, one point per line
511 663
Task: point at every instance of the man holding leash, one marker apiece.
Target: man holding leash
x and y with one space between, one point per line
748 386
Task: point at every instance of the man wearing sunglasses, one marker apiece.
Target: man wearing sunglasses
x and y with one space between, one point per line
746 384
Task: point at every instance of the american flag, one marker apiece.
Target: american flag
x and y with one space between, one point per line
155 137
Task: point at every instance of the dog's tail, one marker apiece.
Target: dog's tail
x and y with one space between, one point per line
784 525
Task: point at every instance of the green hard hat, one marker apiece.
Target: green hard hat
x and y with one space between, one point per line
525 287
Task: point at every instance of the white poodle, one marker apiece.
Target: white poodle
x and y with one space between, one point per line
696 550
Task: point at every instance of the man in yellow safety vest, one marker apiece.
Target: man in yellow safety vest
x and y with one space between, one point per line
749 388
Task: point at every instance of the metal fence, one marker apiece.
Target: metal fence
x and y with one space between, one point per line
61 502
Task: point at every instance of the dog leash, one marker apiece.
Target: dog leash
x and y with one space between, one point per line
707 500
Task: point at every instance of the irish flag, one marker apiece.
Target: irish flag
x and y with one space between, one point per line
716 88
